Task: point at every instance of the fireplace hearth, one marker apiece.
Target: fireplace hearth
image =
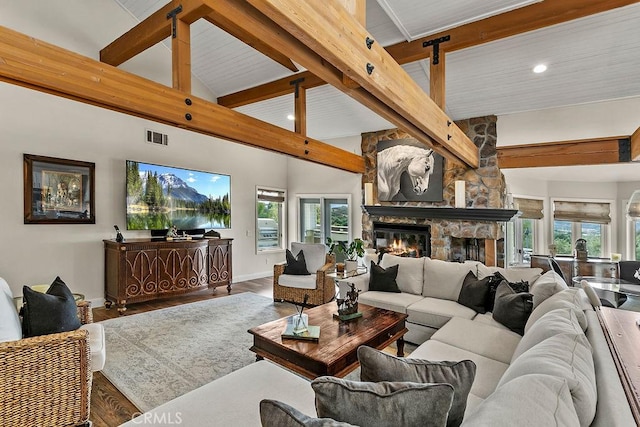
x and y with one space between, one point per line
402 239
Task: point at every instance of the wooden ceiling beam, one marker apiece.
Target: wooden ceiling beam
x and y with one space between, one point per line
151 31
239 30
635 146
157 27
330 31
522 20
41 66
437 89
270 90
596 151
514 22
261 26
181 57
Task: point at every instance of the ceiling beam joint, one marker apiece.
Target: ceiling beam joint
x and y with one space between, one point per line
173 15
296 86
435 58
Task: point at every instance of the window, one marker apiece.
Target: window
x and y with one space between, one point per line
270 211
581 220
321 217
522 231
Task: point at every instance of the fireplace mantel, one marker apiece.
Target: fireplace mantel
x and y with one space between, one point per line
463 214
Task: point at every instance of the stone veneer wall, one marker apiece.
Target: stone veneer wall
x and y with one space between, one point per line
485 188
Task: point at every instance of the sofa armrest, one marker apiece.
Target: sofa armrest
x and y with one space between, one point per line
46 380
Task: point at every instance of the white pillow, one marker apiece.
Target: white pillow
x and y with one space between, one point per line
314 254
410 272
565 356
10 328
443 279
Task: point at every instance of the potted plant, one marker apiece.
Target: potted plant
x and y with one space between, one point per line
351 252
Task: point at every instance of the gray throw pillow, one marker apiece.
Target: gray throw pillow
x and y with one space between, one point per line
50 313
278 414
378 366
383 404
512 308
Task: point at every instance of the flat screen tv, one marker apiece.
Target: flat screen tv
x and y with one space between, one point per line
159 197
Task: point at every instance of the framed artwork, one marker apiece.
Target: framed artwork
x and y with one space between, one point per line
58 191
408 171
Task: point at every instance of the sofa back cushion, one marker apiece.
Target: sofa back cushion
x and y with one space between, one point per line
410 272
10 328
547 285
443 279
512 404
314 254
565 299
513 275
566 356
558 321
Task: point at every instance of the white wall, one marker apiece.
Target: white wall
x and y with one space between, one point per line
42 124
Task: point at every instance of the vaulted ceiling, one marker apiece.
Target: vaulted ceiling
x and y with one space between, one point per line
590 59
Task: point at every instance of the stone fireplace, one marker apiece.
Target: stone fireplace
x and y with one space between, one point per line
456 235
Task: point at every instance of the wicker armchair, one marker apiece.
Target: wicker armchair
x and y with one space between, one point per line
325 288
46 380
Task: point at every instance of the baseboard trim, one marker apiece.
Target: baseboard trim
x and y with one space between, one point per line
252 276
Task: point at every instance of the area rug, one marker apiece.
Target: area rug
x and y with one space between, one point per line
156 356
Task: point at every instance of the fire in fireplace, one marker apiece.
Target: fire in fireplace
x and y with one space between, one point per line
402 239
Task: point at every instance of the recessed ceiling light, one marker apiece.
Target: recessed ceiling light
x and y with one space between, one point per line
291 117
540 68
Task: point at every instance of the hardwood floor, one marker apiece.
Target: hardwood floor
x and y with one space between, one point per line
111 408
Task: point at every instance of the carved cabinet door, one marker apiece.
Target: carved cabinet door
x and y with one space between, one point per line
141 273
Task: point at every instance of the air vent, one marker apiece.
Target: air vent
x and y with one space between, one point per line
154 137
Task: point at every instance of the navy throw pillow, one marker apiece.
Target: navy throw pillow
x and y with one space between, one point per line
296 265
384 280
49 313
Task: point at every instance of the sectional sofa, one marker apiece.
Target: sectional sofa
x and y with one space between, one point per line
560 372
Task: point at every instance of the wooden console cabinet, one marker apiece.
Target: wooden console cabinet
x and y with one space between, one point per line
145 269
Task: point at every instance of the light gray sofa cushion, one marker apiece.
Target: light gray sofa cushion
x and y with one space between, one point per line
547 285
443 279
563 299
559 321
314 254
529 275
376 366
565 356
485 340
278 414
382 404
389 300
488 371
435 312
410 272
512 404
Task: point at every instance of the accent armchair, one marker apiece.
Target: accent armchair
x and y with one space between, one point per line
318 285
46 380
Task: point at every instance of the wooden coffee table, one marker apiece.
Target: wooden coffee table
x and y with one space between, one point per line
335 353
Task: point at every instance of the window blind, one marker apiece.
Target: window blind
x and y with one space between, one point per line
581 212
270 195
529 208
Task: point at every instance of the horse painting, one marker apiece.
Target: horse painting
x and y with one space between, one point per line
394 161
